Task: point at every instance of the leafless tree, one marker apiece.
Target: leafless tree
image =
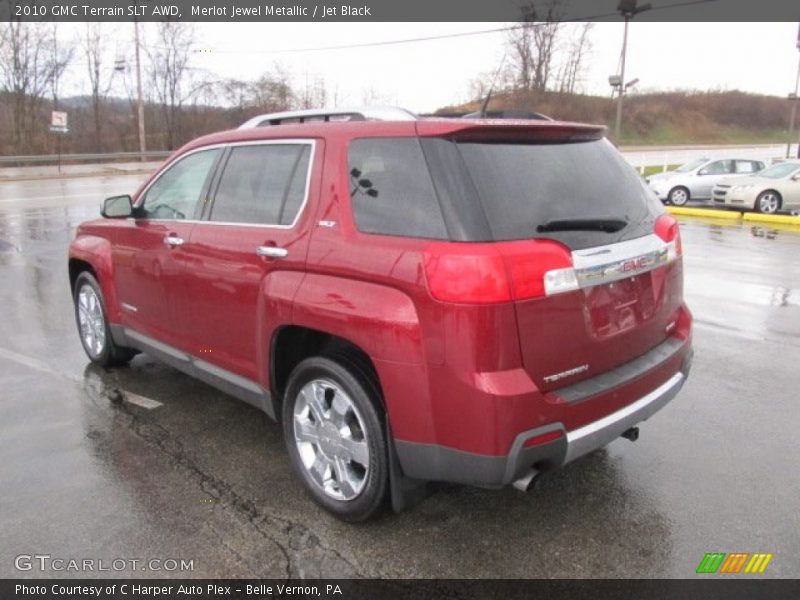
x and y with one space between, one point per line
28 66
576 52
312 93
532 46
100 73
170 73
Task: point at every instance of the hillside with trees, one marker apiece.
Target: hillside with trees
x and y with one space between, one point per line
543 70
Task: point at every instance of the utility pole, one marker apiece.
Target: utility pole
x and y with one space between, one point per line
794 100
621 94
628 10
140 102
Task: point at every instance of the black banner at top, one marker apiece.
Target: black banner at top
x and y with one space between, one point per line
396 10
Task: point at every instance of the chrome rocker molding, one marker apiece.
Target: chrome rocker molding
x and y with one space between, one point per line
235 385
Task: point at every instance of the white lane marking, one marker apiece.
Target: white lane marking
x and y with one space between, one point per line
33 363
142 401
39 365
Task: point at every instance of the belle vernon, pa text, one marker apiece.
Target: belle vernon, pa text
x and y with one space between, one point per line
211 589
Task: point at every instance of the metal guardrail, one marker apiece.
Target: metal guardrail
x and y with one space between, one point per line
107 156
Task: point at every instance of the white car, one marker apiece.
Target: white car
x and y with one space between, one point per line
696 179
773 189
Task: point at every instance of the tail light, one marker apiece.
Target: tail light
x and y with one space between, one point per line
473 273
667 229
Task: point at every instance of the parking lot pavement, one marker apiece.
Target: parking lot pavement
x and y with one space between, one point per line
146 463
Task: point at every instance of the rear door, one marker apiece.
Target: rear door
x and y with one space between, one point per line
254 226
629 290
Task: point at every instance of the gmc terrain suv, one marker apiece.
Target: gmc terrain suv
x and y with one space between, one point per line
414 299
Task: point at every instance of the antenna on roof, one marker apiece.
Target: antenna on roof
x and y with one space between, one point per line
485 105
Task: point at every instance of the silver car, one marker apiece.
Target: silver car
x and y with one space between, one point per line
773 189
696 179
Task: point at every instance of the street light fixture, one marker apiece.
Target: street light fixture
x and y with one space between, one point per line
628 9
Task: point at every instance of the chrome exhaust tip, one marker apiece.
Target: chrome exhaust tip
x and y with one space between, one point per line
525 483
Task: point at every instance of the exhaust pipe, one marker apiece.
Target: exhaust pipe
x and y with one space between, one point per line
631 434
525 483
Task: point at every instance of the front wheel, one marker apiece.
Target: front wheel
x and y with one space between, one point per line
335 439
678 196
90 315
768 202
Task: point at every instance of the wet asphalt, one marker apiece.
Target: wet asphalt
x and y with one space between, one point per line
86 472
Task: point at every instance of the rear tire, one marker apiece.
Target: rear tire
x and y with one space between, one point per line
333 428
678 196
768 202
90 316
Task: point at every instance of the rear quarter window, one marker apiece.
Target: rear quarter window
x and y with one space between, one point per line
391 189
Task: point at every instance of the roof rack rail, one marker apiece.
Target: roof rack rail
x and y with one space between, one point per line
368 113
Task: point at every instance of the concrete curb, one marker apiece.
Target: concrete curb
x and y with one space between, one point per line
729 215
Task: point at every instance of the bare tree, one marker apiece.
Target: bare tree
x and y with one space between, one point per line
170 74
313 93
101 74
577 50
532 46
27 69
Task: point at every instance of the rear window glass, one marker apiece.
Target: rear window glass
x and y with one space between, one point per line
522 186
391 189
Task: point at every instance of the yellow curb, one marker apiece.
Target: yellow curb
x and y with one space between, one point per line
704 212
782 219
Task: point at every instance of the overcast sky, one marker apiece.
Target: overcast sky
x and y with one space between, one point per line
423 76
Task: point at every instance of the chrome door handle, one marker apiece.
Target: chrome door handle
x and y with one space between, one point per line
272 252
173 240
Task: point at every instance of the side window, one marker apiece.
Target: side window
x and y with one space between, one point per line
176 192
719 167
391 189
263 184
746 166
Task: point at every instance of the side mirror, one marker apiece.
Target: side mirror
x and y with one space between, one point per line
796 177
117 207
703 172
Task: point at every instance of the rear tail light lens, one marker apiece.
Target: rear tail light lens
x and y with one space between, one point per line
667 229
473 273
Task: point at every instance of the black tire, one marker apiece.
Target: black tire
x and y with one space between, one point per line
109 353
678 196
762 196
356 383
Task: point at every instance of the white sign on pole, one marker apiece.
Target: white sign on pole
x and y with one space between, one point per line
58 121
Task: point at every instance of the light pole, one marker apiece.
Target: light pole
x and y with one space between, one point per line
793 99
628 10
140 102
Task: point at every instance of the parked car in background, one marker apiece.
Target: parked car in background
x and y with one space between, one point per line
773 189
696 179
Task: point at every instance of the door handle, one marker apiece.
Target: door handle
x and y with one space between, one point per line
173 240
272 252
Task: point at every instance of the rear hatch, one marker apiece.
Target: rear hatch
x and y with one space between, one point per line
620 289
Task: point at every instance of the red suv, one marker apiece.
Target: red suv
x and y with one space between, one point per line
462 300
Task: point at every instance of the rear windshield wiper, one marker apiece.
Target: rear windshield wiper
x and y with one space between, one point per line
605 224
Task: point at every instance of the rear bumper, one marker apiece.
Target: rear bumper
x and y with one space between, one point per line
441 463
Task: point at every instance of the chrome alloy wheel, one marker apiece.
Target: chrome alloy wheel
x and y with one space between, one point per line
331 439
91 320
768 203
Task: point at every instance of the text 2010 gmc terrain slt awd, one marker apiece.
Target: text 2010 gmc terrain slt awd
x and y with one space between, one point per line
462 300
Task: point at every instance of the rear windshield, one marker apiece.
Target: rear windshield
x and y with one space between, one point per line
512 191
